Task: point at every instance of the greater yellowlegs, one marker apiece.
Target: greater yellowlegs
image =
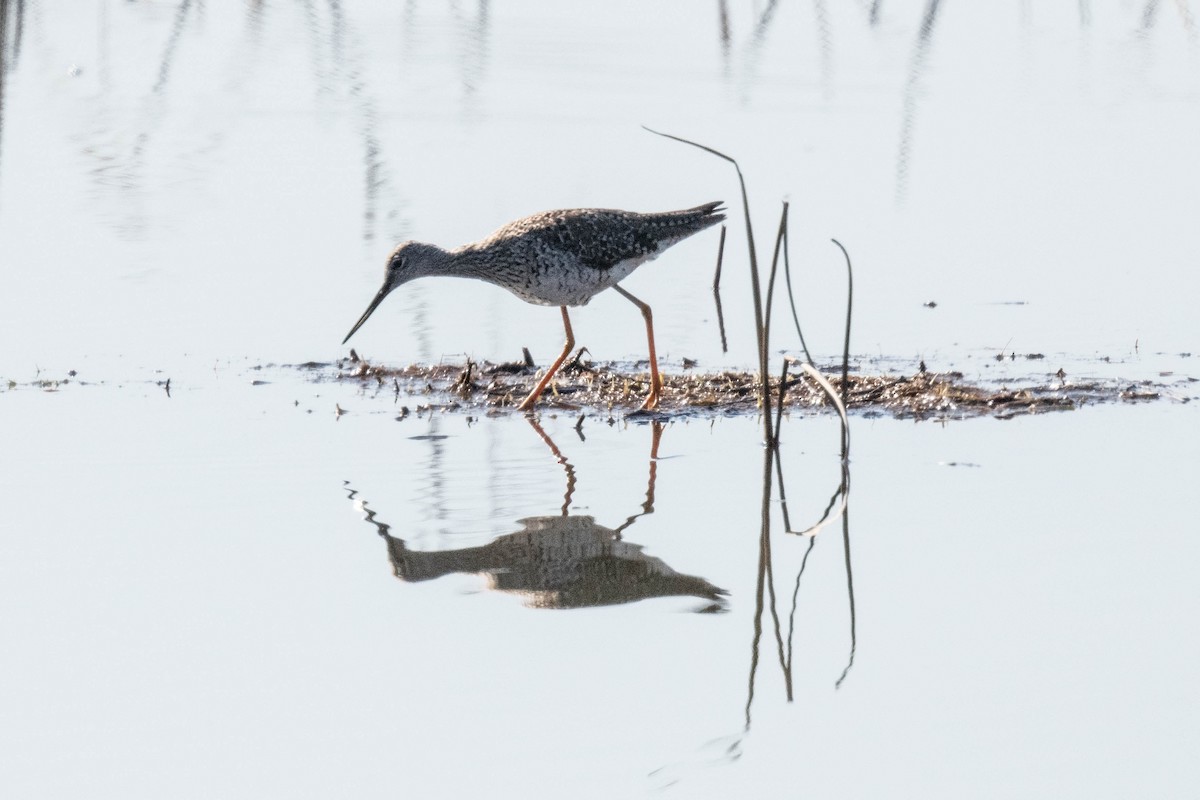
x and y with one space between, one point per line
556 258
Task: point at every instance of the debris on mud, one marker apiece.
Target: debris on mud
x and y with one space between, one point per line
583 384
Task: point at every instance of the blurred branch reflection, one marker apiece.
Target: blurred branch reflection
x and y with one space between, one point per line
124 144
912 91
560 560
172 47
12 26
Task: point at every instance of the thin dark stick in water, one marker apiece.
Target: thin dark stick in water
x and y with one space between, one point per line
771 275
721 321
774 440
779 410
783 506
849 570
849 310
717 292
764 388
795 594
787 278
720 259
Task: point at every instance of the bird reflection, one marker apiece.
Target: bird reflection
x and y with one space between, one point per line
560 560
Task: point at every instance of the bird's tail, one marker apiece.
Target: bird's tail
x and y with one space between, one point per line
693 220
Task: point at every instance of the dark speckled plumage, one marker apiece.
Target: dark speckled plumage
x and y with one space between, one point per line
565 257
556 258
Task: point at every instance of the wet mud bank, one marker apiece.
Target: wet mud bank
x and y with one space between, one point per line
583 385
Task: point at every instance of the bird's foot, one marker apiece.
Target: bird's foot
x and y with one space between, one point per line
530 401
651 400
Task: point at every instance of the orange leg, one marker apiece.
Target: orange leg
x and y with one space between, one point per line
528 403
655 379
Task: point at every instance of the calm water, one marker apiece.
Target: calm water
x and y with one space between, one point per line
229 590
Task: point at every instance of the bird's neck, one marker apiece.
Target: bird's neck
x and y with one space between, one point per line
429 260
467 261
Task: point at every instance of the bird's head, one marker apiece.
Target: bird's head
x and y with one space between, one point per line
408 261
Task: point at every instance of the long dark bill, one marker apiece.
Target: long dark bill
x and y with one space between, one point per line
370 310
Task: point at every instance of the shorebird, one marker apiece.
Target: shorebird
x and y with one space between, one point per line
556 258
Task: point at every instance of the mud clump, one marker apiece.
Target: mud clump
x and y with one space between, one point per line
582 384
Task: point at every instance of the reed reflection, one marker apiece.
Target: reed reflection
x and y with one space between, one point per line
754 48
912 91
124 143
178 24
837 509
777 545
558 560
12 27
473 52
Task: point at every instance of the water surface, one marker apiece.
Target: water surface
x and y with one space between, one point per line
231 589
